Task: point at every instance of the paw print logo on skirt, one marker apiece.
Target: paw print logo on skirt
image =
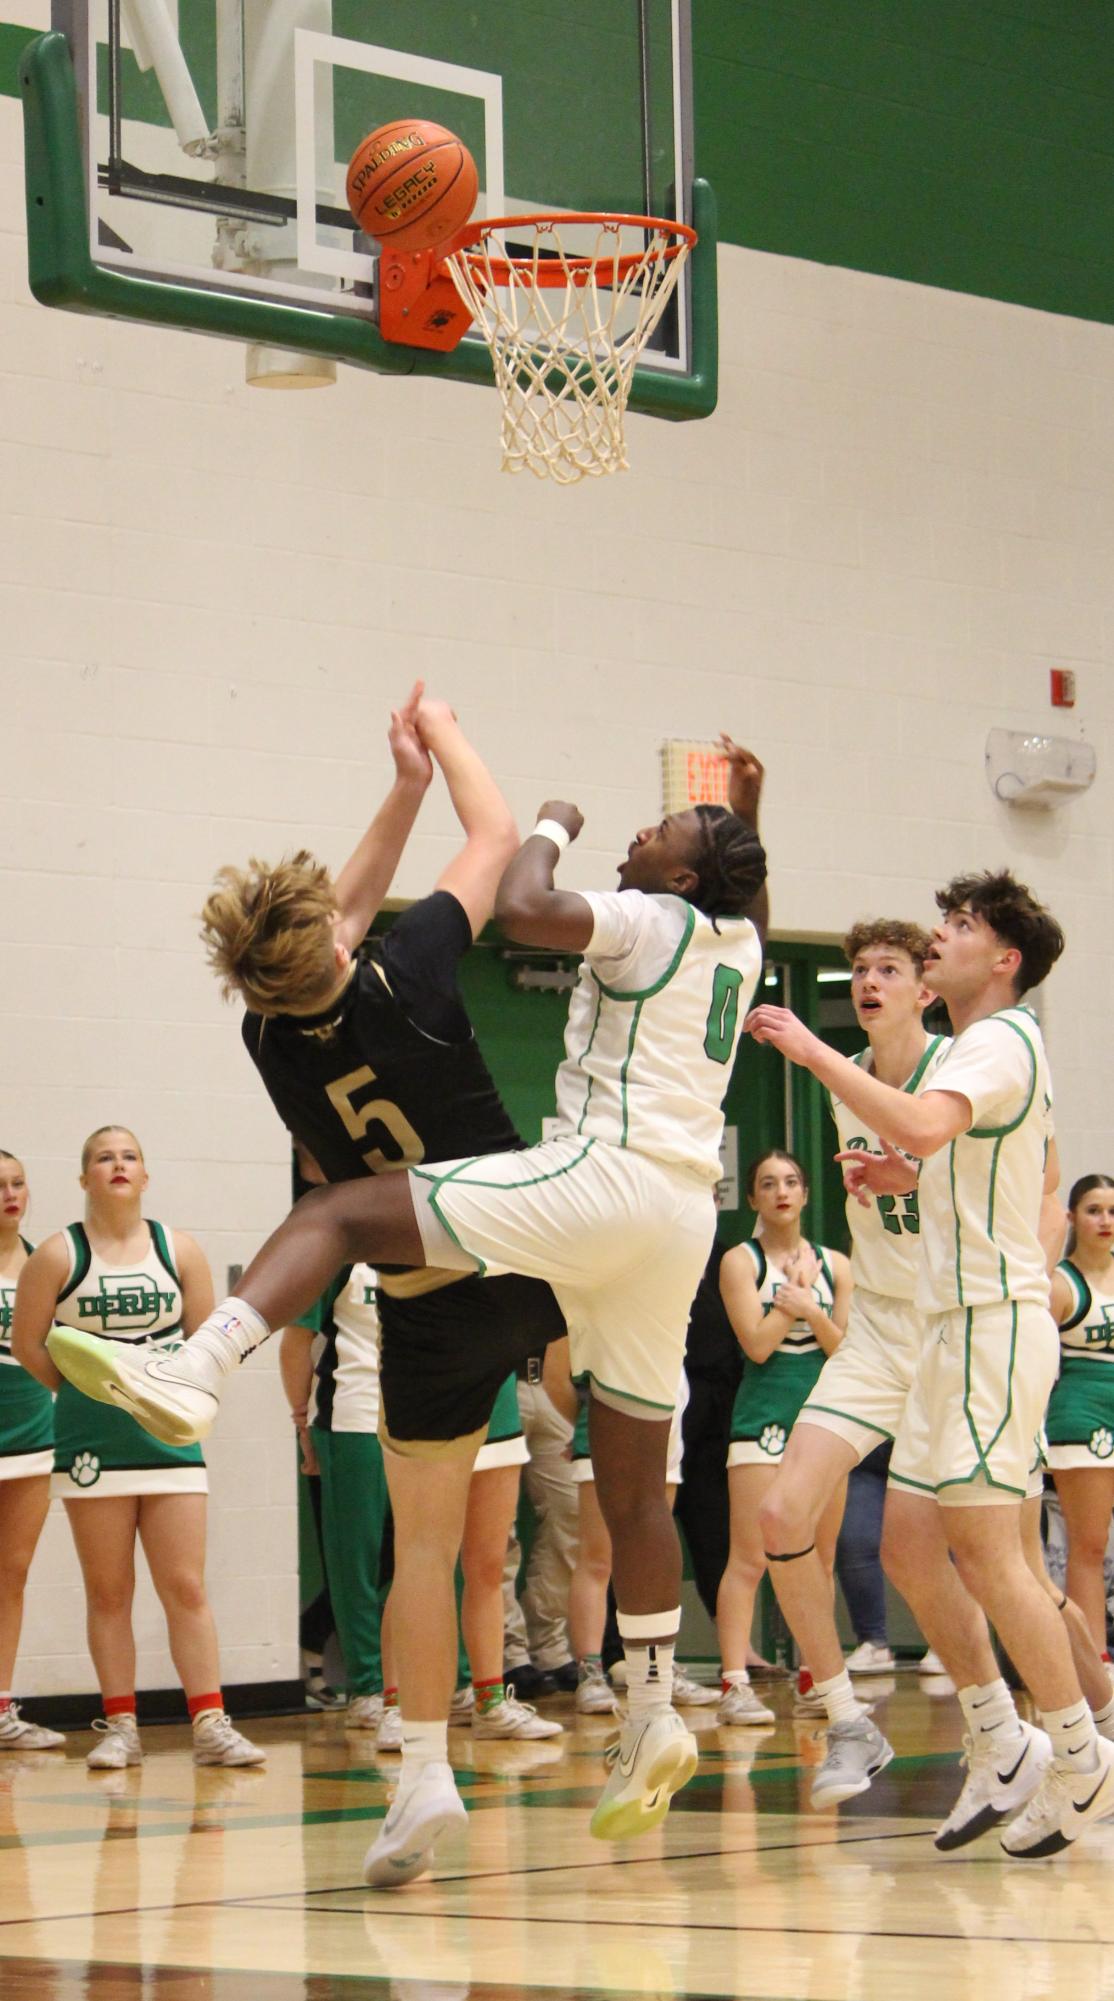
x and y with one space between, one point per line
85 1470
771 1439
1101 1442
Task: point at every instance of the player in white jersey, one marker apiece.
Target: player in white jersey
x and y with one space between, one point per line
988 1212
616 1212
860 1396
1080 1421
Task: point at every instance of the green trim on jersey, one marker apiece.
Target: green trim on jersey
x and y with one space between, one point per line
81 1251
647 993
997 1134
628 1396
581 1059
958 1231
930 1051
439 1181
983 1452
164 1251
1081 1293
638 996
623 1098
1001 1132
852 1417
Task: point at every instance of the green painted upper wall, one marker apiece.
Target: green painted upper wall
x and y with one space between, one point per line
963 143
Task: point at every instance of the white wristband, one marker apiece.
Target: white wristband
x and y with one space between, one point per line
552 830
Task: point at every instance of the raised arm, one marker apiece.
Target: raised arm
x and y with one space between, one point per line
490 833
745 779
40 1282
369 871
528 907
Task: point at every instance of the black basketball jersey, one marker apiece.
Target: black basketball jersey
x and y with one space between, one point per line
391 1073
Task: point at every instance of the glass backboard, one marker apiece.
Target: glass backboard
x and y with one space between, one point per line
213 136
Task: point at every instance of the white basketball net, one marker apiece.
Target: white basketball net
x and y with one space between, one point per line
565 349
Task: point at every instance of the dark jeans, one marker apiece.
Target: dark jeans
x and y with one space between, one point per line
858 1565
703 1510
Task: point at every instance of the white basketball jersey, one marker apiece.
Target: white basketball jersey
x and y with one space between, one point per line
885 1239
980 1197
653 1027
1089 1327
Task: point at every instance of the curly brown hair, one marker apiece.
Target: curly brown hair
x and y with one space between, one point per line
1012 912
268 934
892 931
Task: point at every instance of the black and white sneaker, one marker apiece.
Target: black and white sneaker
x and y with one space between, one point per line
999 1781
1064 1804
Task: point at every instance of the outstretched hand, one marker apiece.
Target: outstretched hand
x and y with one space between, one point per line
780 1027
411 758
744 779
887 1173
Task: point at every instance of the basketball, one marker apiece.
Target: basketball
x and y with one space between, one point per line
411 184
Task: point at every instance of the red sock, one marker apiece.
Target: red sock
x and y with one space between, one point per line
119 1705
5 1701
196 1703
488 1693
390 1698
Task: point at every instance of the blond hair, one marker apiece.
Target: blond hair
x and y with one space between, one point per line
87 1149
268 934
895 932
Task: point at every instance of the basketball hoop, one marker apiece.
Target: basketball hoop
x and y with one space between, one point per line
565 329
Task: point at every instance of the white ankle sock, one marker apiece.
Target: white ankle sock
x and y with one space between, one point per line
989 1712
230 1333
1073 1734
422 1744
839 1699
649 1667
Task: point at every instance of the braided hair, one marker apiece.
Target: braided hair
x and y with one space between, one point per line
730 863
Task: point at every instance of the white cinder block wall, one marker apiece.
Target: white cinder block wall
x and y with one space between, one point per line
900 518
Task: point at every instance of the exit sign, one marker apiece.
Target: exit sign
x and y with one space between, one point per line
693 773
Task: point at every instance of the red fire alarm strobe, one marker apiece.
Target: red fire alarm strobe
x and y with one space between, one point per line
1063 688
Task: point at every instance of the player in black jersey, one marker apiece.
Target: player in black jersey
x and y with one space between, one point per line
372 1064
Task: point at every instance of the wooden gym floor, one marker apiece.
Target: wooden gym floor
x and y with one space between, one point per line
165 1883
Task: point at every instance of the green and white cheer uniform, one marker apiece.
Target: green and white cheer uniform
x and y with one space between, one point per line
975 1411
861 1391
582 1471
771 1393
617 1211
26 1408
1080 1422
99 1450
